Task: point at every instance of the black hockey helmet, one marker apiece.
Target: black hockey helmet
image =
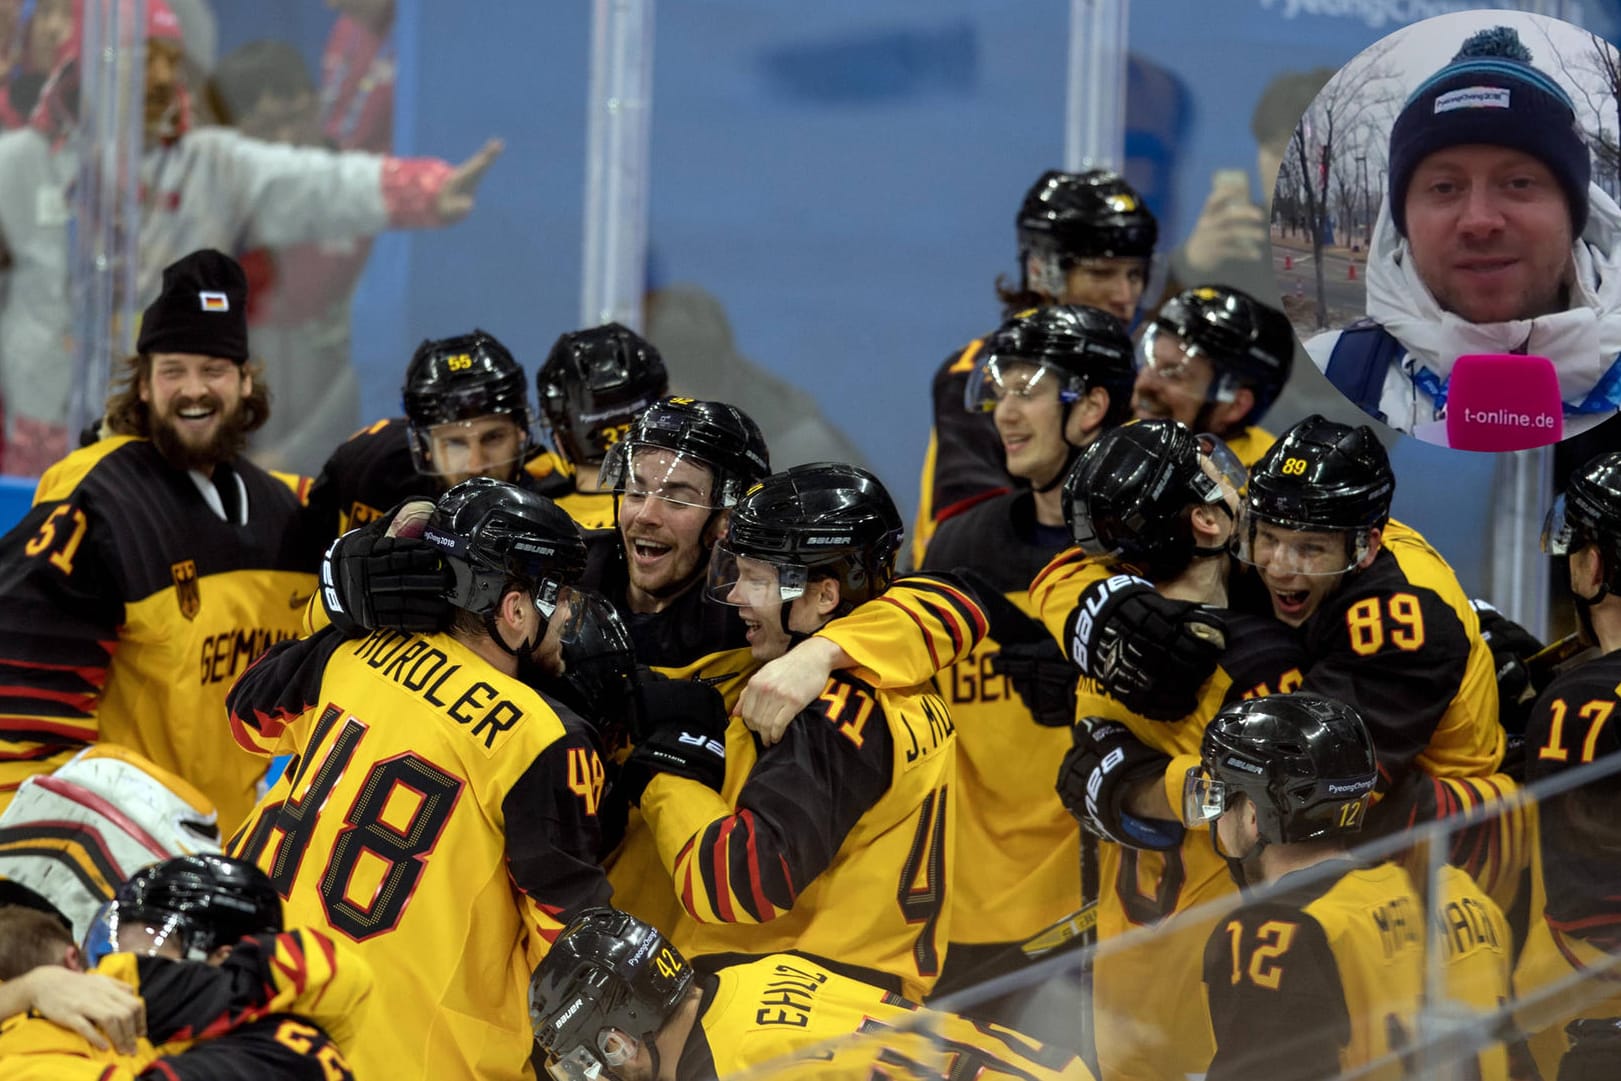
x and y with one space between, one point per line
721 438
1134 489
490 532
1305 761
594 384
205 901
462 378
599 660
813 521
1247 343
1589 512
1320 476
1090 215
607 974
1078 346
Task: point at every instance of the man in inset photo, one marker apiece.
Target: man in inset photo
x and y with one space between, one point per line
1492 240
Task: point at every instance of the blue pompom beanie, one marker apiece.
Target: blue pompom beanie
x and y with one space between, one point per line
1491 94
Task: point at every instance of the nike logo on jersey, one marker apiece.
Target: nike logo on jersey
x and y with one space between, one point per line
299 600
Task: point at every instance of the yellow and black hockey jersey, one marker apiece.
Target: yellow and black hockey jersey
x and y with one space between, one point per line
127 607
1401 642
441 816
1325 976
283 1006
900 639
551 477
369 473
1570 966
836 841
1573 723
787 1016
1478 951
1018 867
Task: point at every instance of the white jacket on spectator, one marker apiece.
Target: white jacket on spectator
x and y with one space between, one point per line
209 188
1583 341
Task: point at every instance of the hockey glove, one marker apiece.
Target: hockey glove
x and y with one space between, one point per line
674 749
1148 651
1043 678
679 703
1104 762
1511 645
1032 662
371 581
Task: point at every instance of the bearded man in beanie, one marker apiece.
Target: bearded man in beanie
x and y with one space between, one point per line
157 563
1492 239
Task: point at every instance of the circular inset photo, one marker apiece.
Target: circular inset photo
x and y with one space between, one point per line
1445 231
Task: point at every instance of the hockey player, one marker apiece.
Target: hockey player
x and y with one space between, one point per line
615 999
442 813
157 564
466 403
1053 379
228 993
1215 359
1084 238
1388 630
1323 972
782 848
1568 966
593 386
1152 507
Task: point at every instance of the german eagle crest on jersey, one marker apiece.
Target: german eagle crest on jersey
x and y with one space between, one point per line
186 591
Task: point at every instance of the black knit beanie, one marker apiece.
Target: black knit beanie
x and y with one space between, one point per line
203 309
1491 94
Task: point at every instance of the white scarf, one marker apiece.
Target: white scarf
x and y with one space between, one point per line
1582 341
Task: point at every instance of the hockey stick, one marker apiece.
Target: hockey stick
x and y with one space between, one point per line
1072 926
1540 665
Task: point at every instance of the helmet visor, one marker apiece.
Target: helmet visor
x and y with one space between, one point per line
747 582
1285 549
1204 798
576 613
995 378
638 472
488 446
101 936
1560 535
147 932
1228 465
1125 256
1181 368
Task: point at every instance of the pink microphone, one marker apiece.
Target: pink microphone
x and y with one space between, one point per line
1503 401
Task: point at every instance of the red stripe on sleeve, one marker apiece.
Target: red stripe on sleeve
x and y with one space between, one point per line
722 879
970 605
928 639
764 908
